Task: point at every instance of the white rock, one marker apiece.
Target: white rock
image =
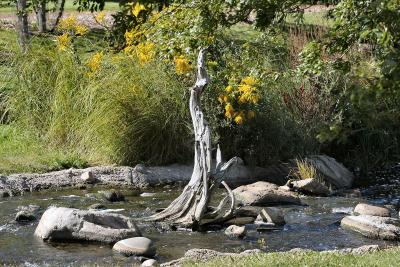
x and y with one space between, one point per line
137 246
149 263
147 194
366 209
235 231
88 177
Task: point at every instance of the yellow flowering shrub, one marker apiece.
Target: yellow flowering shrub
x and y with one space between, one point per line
94 63
239 99
63 42
137 8
182 65
145 52
100 17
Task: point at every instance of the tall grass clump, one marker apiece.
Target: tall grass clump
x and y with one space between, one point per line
121 113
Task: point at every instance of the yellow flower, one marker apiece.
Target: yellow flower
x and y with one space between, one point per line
81 29
95 61
223 98
145 52
229 89
251 114
229 111
249 81
100 17
68 23
239 119
63 42
137 9
182 65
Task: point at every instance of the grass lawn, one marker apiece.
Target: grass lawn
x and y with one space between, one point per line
389 257
69 6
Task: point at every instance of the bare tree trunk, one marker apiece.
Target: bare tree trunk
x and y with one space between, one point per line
190 208
22 25
41 16
61 4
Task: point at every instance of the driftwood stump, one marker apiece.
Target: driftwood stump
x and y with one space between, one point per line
190 209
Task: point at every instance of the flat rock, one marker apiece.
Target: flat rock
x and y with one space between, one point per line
241 220
373 226
262 193
367 209
147 194
66 224
137 246
235 231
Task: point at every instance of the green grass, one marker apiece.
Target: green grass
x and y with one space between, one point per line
312 18
69 7
21 151
376 259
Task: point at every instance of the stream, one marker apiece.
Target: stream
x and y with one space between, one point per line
313 226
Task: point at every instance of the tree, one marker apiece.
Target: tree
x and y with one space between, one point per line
190 209
22 26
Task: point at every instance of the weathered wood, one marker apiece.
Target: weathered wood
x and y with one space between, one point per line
190 208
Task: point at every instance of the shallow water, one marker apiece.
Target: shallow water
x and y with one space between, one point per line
314 226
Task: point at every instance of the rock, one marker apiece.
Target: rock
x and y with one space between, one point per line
235 231
271 215
240 220
355 251
30 208
25 216
63 224
97 206
88 177
334 172
248 211
261 193
136 246
113 196
366 209
308 186
147 194
373 226
149 263
4 193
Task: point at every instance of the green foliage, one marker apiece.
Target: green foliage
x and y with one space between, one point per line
389 257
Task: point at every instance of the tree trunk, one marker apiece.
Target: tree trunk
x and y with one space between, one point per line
190 208
41 16
61 4
22 25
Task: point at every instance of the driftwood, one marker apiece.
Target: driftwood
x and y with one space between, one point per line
191 209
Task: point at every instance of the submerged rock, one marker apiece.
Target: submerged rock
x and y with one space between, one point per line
63 224
113 196
366 209
235 231
97 206
25 216
373 226
308 186
137 246
261 193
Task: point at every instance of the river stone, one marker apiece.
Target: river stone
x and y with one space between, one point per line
88 177
113 195
261 193
25 216
366 209
137 246
308 186
4 193
373 226
334 172
147 194
150 263
63 224
271 215
235 231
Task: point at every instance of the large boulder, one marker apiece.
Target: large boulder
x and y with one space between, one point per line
334 172
366 209
308 186
264 193
63 224
373 226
